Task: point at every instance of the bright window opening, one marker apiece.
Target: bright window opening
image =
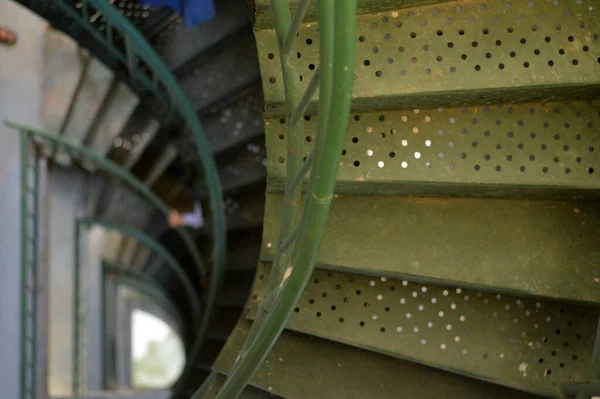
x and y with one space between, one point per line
157 357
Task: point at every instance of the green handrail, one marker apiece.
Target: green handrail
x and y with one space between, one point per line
149 243
162 83
106 165
29 268
337 24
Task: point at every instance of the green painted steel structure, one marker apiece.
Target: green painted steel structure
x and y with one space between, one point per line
298 246
30 284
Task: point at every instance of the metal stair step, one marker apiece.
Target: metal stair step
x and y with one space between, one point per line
249 391
236 289
301 366
522 343
263 14
533 248
456 53
224 322
537 150
239 121
178 43
119 106
88 100
241 167
135 137
245 210
233 68
243 249
64 63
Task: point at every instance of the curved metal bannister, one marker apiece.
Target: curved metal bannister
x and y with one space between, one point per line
149 243
298 245
29 137
119 37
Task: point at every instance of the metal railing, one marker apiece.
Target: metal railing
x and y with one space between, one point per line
29 265
128 46
35 139
299 243
148 242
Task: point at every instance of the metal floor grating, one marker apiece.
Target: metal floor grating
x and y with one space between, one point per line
524 343
460 52
553 146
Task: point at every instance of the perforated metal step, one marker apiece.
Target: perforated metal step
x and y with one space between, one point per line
527 344
301 366
538 248
459 52
515 150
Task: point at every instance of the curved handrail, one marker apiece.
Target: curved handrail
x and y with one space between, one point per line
337 33
117 171
114 169
143 282
138 49
155 246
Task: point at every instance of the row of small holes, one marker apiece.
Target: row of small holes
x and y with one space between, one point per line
457 339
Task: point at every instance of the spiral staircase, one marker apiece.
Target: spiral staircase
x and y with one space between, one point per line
430 171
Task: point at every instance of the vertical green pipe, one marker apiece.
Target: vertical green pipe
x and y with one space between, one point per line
316 208
24 147
35 271
289 65
104 357
291 201
76 311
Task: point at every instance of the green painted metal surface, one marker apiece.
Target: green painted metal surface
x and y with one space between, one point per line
293 270
29 266
528 344
513 150
301 366
459 52
537 248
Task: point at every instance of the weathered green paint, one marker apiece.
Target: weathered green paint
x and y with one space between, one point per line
414 78
336 55
545 150
300 366
29 175
537 248
527 344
